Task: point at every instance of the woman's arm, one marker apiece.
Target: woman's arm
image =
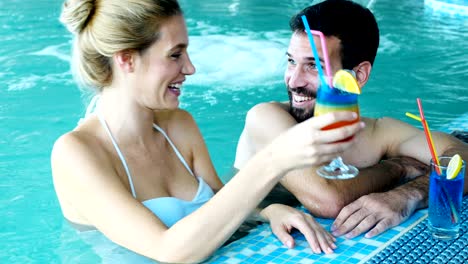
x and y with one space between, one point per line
89 182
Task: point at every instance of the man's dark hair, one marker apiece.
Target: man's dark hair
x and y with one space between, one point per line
350 22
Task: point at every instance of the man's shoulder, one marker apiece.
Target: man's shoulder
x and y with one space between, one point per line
381 121
381 126
388 129
270 107
268 111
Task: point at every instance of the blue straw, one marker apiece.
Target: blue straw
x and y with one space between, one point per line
314 50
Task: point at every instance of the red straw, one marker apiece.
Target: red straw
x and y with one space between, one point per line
454 214
428 136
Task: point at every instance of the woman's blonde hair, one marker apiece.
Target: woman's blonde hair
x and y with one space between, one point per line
104 27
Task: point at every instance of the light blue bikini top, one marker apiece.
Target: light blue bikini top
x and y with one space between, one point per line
168 209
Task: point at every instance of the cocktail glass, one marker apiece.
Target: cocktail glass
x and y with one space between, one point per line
445 200
330 99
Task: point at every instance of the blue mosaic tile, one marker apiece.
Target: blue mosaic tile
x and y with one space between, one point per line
418 246
261 246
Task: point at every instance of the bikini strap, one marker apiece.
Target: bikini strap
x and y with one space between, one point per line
181 158
93 105
91 108
124 163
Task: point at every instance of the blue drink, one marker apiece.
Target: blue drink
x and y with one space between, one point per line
445 201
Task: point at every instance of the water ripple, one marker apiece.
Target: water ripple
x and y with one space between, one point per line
54 51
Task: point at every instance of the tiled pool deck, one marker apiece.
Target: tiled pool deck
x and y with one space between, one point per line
409 242
261 246
417 246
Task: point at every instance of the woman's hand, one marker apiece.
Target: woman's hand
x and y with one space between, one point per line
306 144
283 219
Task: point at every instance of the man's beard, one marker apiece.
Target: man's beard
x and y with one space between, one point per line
300 114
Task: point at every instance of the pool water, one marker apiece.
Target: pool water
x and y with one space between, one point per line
238 47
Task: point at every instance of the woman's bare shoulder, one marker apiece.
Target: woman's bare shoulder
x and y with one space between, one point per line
181 122
77 148
80 138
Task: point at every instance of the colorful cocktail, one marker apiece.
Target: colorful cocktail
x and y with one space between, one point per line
339 94
332 99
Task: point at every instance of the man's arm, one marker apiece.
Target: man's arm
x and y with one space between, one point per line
404 139
408 141
381 211
321 196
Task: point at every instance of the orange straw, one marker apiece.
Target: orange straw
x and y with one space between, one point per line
428 136
454 215
427 131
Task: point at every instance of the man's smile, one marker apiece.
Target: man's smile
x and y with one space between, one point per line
300 98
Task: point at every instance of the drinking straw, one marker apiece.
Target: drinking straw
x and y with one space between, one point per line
415 117
430 142
315 52
427 132
326 59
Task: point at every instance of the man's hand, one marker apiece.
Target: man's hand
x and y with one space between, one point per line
376 211
381 211
283 219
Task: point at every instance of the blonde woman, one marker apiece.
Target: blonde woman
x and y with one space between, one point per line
138 169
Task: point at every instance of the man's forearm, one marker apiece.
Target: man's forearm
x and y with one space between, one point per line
325 198
378 178
416 191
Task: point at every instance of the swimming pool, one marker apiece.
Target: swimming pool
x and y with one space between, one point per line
238 48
